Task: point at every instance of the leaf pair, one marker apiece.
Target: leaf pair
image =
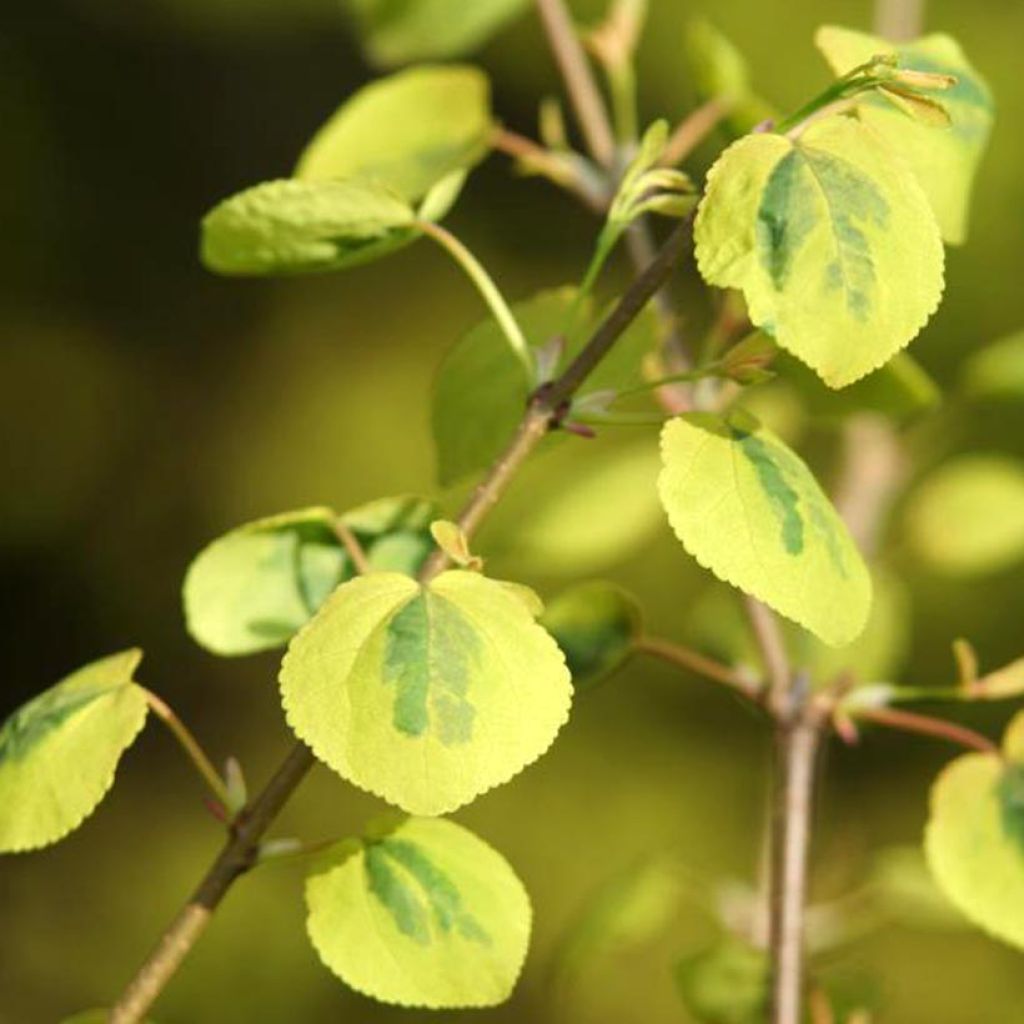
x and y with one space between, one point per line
395 152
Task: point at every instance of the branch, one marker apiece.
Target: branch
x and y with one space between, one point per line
242 849
351 544
580 84
899 20
925 725
692 130
768 636
694 661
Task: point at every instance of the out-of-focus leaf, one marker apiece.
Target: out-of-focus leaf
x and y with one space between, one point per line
906 892
95 1017
967 517
402 31
295 227
596 625
726 984
747 508
420 913
997 370
831 240
408 132
943 160
58 752
425 694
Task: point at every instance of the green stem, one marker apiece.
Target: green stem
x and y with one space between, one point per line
486 287
622 86
190 745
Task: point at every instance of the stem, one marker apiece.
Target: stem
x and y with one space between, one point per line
899 20
694 661
237 857
190 745
242 849
797 737
355 550
692 130
487 288
769 640
925 725
581 86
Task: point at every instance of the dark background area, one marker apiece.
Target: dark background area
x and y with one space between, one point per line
146 406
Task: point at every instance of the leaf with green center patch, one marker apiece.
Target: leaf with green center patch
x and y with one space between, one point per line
831 240
420 913
482 389
402 31
295 227
967 517
747 508
596 625
409 131
974 840
426 695
944 160
58 752
997 371
252 589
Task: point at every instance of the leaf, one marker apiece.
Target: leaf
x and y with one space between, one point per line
967 517
253 588
831 240
421 914
59 751
402 31
905 891
408 132
481 382
747 508
974 840
426 695
294 227
997 371
725 984
944 161
596 625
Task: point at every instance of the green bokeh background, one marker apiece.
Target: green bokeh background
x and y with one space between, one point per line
147 406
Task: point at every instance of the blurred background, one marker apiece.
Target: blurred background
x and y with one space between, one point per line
147 406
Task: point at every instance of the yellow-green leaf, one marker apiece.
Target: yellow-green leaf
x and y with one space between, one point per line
251 589
59 751
426 695
967 517
831 240
997 370
975 837
420 913
294 227
944 160
408 131
747 508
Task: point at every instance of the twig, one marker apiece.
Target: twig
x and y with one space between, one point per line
692 130
581 86
351 544
899 20
925 725
242 849
694 661
768 637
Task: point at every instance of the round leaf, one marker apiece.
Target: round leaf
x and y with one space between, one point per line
59 751
596 625
831 240
974 841
252 589
968 516
747 508
408 131
422 914
426 695
402 31
997 371
291 227
943 160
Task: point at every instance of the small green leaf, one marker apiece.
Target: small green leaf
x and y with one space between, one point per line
596 625
58 752
422 913
408 132
481 382
726 984
426 695
974 841
252 589
403 31
747 508
831 240
944 160
967 517
997 370
294 227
